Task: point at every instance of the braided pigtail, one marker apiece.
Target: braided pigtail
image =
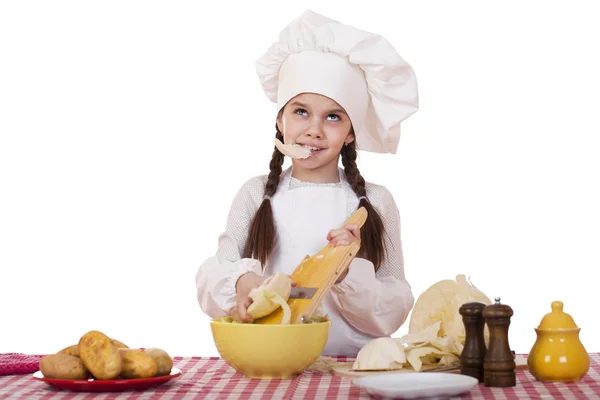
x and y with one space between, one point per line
372 233
261 236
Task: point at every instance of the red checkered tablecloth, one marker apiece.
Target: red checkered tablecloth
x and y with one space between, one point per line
212 378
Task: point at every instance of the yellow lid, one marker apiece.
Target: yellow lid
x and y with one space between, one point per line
557 319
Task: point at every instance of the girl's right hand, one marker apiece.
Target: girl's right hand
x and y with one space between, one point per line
243 286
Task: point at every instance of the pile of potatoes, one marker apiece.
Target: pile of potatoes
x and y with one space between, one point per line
100 357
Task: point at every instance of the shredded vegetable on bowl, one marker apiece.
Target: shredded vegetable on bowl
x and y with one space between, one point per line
436 334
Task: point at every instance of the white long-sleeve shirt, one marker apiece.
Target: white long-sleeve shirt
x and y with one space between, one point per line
373 303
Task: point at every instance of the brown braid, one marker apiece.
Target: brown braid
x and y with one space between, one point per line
261 236
371 234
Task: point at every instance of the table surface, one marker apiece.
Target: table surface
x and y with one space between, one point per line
212 378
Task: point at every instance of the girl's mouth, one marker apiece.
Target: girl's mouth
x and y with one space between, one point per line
313 150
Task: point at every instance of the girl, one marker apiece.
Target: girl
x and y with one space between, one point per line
338 89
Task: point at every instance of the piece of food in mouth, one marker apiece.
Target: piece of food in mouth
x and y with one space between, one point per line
293 150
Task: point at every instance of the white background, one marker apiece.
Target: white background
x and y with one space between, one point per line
126 128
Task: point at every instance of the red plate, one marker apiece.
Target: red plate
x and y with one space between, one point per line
115 385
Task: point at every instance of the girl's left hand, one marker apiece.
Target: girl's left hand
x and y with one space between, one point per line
344 236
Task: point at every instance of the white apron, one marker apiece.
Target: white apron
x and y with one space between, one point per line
303 217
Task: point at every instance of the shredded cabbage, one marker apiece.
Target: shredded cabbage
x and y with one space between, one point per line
441 302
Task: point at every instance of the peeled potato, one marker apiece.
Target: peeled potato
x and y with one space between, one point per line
100 356
137 364
71 350
163 360
63 366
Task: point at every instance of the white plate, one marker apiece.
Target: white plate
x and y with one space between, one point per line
416 386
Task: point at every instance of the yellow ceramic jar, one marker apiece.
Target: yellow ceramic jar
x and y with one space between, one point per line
558 355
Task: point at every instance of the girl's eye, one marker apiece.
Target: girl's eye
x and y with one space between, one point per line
300 111
334 116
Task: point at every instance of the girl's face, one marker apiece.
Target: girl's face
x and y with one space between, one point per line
319 122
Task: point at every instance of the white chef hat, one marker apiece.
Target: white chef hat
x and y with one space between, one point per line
359 70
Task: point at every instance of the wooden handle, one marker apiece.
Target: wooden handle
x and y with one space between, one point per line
358 217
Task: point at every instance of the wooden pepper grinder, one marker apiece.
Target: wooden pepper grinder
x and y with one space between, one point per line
499 363
473 353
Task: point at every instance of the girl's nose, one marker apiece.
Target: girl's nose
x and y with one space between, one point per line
314 131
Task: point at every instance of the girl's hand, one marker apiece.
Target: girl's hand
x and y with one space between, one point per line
347 234
243 286
344 236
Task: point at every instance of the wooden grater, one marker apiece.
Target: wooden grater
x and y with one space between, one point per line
319 271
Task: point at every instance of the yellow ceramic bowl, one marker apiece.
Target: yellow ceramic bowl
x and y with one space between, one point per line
269 351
